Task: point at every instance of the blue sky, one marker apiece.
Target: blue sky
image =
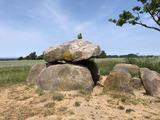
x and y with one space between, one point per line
34 25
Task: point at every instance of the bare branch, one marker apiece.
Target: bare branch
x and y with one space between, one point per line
154 18
144 25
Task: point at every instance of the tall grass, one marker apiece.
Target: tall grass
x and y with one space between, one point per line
12 72
151 63
19 63
105 66
13 75
15 71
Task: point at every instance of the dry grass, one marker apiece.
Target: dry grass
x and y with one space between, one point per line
21 102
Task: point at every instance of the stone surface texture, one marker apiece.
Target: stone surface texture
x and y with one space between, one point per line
34 73
151 81
118 81
76 50
65 77
132 69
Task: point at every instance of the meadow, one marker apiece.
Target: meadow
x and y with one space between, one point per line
16 71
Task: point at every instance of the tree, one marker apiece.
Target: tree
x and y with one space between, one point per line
31 56
41 57
79 36
20 58
150 7
102 55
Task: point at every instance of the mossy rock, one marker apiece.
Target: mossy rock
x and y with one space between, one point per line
118 81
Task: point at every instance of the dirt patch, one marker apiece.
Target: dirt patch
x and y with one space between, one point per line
23 102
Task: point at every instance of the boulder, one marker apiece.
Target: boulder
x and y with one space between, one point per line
93 68
136 83
118 81
65 77
151 81
76 50
122 70
34 72
132 69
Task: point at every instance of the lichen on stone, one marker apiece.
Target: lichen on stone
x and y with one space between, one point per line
67 56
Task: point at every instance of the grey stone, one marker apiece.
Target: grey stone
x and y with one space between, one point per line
65 77
122 70
136 83
34 72
132 69
151 81
118 81
93 68
76 50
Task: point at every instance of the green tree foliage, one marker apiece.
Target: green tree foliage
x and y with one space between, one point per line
31 56
20 58
79 36
150 7
102 55
40 57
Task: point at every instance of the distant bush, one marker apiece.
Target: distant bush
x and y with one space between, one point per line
20 58
102 55
41 57
32 56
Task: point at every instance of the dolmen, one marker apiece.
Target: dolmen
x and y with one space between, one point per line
68 67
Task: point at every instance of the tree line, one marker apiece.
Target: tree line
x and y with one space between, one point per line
31 56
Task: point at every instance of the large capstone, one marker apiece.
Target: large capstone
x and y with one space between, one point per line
76 50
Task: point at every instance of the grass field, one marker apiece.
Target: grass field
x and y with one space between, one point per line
19 63
16 71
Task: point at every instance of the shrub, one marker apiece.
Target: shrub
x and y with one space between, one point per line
129 110
121 107
77 103
57 96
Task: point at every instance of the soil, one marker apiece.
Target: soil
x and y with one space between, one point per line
24 102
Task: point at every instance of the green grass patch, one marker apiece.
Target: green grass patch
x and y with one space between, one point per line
106 66
15 71
13 75
151 63
19 63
